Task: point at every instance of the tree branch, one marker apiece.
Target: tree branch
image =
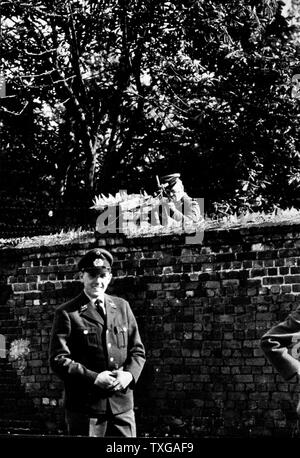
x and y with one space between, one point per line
37 76
40 54
15 113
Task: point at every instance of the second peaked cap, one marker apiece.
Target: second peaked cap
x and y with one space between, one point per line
170 180
96 260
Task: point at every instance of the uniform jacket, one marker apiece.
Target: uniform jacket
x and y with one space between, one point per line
81 347
187 210
281 345
189 207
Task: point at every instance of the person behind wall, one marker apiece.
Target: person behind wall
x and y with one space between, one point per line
176 205
281 344
96 349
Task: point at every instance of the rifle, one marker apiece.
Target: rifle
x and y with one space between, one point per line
161 193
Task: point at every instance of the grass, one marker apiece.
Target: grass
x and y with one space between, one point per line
59 238
227 221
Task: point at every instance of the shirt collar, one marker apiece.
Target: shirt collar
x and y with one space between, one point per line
94 299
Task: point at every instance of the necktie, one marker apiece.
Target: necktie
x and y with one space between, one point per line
99 309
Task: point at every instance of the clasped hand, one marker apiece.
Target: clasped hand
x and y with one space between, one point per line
115 380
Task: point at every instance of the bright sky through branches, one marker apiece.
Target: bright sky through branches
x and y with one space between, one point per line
286 7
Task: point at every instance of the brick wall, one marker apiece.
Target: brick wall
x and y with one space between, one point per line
201 310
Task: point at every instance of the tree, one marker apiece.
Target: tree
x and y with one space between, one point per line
122 90
71 61
234 119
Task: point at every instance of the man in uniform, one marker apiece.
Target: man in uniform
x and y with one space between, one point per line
281 343
177 206
97 351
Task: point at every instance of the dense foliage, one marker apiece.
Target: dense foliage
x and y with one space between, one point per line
105 95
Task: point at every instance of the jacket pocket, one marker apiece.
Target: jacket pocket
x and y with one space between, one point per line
91 338
121 336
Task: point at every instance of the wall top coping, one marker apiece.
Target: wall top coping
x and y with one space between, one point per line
232 235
